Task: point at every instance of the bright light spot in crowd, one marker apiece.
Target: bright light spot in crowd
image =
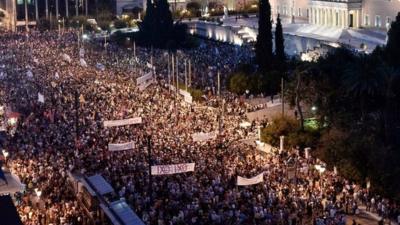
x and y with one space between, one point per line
5 153
12 121
314 108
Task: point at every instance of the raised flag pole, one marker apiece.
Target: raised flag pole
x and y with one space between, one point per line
186 71
177 74
219 103
151 61
219 85
134 49
77 114
282 96
190 73
169 75
173 69
150 177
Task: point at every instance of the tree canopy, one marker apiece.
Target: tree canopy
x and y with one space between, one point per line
158 28
264 39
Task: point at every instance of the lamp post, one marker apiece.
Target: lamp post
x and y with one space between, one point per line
77 114
282 96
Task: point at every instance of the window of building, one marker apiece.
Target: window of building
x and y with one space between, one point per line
299 12
278 10
366 20
378 22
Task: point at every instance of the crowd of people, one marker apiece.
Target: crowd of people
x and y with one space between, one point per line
64 133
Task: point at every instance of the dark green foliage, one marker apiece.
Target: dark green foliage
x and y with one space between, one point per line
158 28
264 39
147 26
358 100
118 24
194 8
393 44
279 43
164 24
289 128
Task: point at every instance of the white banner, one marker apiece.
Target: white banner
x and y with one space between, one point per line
115 123
40 98
198 137
241 181
188 99
184 93
245 124
144 78
121 147
172 169
143 86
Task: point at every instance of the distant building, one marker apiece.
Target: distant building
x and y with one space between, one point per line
21 15
376 14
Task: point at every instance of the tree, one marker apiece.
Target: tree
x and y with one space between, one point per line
118 24
163 23
238 83
264 38
148 24
279 42
194 8
362 83
393 44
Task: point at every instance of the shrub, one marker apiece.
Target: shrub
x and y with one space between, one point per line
118 24
288 127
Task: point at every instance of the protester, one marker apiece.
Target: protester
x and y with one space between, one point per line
64 132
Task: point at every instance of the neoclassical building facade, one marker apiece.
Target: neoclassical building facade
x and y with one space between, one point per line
376 14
